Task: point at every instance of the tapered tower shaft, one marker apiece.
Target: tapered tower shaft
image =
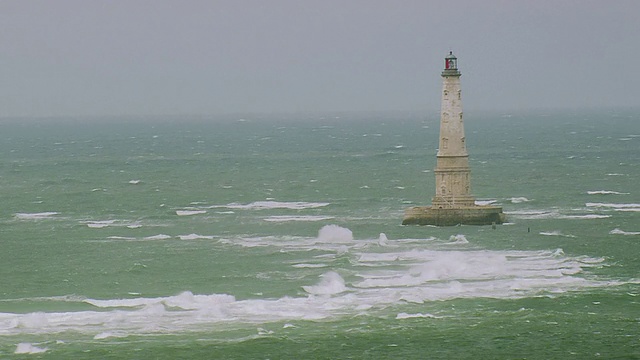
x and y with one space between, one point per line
453 176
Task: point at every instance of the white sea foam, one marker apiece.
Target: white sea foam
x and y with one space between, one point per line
335 234
331 283
100 224
309 266
194 237
285 218
264 205
587 216
185 301
616 207
485 202
402 316
556 233
109 334
190 212
518 200
533 214
383 240
35 216
617 231
458 239
157 237
134 182
121 238
605 192
377 277
28 348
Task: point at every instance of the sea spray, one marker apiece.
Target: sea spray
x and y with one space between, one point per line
331 283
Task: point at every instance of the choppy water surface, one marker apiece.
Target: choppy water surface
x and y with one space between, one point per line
268 237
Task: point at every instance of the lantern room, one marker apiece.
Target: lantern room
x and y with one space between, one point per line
451 62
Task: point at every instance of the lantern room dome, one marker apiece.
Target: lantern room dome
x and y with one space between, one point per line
451 65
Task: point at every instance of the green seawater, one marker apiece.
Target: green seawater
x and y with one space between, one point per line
279 237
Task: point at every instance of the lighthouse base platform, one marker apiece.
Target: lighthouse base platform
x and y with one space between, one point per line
466 215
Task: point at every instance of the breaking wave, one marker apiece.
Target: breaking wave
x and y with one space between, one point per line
617 231
605 192
368 275
264 205
35 216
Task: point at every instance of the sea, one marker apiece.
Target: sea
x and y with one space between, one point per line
279 236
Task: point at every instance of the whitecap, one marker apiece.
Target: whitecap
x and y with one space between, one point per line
382 239
285 218
518 200
100 224
617 207
485 202
190 212
533 214
556 233
402 316
35 216
331 283
28 348
617 231
605 192
458 239
309 266
335 234
158 237
109 334
265 205
588 216
419 276
121 238
134 182
194 237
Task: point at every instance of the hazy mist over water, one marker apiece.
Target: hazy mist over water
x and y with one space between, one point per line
71 57
280 238
227 179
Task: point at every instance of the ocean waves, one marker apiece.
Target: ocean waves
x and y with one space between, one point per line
379 274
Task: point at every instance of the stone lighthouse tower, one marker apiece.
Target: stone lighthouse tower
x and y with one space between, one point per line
453 203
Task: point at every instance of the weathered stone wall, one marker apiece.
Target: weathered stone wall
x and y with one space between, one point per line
453 177
473 215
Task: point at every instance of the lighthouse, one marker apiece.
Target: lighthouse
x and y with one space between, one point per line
452 203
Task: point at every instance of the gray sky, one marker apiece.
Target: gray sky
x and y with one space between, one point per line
150 57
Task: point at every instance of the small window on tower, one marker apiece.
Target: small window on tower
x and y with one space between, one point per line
459 94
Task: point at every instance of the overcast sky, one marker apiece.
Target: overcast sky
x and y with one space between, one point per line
152 57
